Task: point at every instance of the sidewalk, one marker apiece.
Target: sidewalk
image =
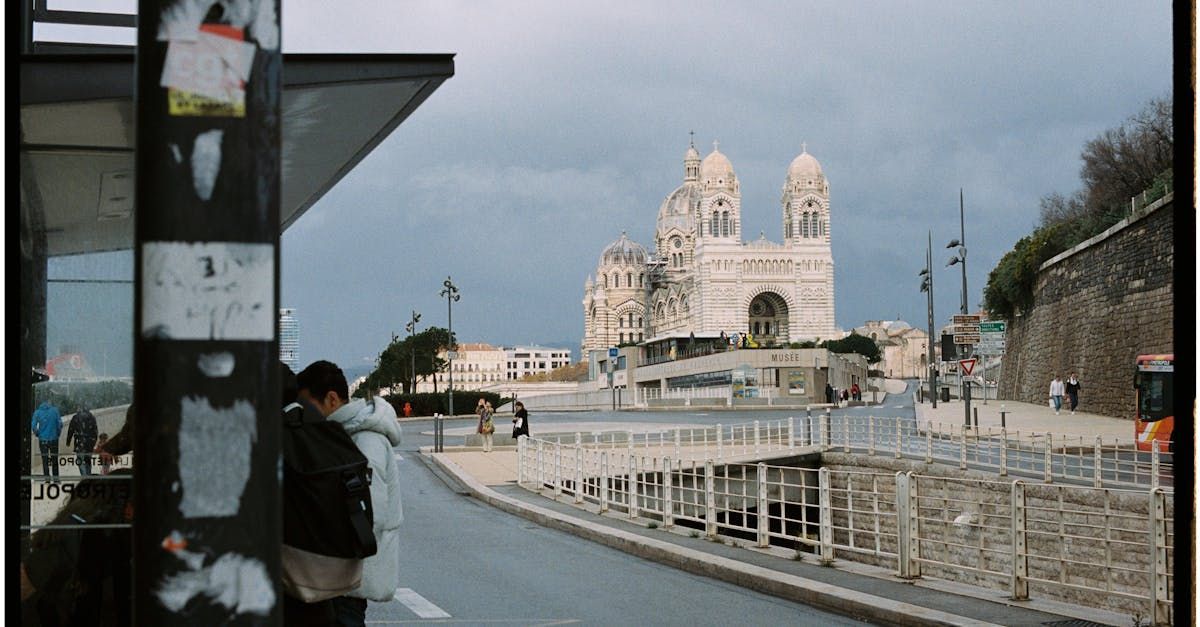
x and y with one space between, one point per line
848 588
1026 418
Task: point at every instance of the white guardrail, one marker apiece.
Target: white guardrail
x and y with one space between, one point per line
1101 546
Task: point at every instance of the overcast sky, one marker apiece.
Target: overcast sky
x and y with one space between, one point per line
566 123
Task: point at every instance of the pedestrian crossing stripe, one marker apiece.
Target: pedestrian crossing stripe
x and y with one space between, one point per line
419 605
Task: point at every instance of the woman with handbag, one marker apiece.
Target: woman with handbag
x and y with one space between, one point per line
486 426
520 421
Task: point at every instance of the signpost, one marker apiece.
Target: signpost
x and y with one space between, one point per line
991 343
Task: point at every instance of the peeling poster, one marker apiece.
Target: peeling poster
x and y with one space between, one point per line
208 291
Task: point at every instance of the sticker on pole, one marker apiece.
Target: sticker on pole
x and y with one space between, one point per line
207 76
967 366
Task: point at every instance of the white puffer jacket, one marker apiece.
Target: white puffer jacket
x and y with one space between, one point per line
373 427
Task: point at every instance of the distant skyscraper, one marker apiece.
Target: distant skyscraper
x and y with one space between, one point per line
289 339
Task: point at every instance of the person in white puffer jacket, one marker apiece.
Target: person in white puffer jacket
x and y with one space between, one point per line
373 427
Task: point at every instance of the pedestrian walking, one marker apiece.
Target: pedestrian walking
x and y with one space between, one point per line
1056 393
520 421
828 392
486 426
373 427
82 433
855 392
47 427
1073 391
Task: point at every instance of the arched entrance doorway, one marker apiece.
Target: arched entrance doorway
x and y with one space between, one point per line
769 318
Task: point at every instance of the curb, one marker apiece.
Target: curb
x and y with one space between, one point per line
810 592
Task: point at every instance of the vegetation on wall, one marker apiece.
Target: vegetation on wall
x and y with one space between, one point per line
1130 162
855 343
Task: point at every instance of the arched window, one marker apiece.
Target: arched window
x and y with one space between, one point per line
629 280
725 223
639 321
640 276
605 277
714 223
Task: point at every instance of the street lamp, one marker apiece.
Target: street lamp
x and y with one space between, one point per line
961 260
927 287
451 294
411 327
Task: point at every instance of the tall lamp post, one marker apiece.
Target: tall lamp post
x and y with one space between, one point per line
961 259
411 327
451 294
927 287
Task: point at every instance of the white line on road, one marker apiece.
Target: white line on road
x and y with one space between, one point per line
897 406
419 604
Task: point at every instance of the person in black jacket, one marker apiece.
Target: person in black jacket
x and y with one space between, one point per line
520 421
1072 388
82 431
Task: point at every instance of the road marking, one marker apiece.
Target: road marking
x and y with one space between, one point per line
897 406
419 604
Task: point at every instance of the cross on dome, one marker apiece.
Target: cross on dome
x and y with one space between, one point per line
716 145
803 148
692 138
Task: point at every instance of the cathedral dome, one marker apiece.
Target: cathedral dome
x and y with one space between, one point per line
716 166
805 166
691 154
680 202
624 251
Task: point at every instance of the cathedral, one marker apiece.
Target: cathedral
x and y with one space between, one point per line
704 281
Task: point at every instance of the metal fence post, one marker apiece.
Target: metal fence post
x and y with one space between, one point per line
1003 452
810 425
899 437
578 474
557 471
710 500
914 526
522 444
929 443
603 482
633 486
903 534
823 427
541 467
1020 558
826 506
629 442
1160 597
1049 461
677 441
756 438
845 432
668 506
1154 463
870 434
764 518
791 433
720 447
962 447
1098 463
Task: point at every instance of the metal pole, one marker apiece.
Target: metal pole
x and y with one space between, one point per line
932 365
206 292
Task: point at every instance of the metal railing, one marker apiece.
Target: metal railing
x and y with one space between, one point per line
1103 547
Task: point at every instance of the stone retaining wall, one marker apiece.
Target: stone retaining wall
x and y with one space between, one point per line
1096 307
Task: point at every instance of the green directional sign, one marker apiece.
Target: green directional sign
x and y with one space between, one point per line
991 327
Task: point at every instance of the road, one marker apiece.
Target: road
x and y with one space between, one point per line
464 562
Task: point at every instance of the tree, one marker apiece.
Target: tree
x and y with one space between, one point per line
855 343
394 366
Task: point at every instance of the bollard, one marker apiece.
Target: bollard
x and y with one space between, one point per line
1002 416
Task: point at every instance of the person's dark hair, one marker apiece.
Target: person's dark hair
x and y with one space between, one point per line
288 385
321 377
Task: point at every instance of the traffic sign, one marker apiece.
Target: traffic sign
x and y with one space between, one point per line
966 318
967 366
612 352
992 327
451 354
966 328
966 338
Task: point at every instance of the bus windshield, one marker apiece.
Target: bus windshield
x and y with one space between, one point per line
1155 397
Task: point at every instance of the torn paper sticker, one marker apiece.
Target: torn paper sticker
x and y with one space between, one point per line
237 582
208 291
208 76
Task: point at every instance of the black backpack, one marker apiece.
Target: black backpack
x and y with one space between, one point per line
327 514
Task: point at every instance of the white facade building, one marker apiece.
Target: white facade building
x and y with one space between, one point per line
477 365
704 279
527 360
289 339
904 350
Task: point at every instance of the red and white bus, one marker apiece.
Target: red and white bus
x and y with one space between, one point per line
1154 381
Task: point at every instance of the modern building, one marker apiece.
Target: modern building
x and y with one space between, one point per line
704 281
527 360
289 339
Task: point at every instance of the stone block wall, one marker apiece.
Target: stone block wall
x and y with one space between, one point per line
1096 308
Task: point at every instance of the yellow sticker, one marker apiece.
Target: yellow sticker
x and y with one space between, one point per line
184 103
